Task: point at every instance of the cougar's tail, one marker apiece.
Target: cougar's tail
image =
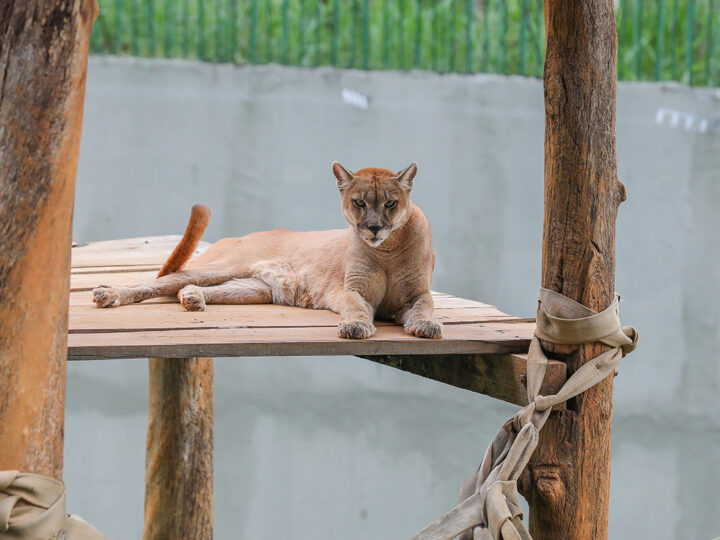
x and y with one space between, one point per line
199 218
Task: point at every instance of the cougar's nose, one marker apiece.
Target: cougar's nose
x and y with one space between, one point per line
375 229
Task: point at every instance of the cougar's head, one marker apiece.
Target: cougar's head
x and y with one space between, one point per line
375 201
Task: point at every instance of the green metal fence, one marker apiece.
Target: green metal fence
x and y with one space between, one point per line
658 39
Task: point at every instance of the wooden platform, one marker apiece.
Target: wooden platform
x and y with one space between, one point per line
473 353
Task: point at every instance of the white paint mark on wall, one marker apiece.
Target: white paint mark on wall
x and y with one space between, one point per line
356 99
689 121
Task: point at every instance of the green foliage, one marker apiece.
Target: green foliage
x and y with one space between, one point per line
659 40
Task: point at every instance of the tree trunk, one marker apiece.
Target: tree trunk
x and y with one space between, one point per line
568 485
43 64
179 455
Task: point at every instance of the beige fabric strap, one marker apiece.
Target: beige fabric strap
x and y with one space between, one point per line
490 503
33 507
563 321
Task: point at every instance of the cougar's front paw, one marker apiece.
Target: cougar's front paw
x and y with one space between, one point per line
192 298
105 296
425 329
355 329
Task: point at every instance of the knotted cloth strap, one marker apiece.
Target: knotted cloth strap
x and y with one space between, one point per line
563 321
33 507
490 503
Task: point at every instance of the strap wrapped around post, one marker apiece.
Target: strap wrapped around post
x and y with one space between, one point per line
33 507
490 503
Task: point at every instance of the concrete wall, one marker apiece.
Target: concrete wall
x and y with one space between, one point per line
338 447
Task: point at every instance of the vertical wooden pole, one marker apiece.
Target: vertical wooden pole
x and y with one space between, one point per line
179 457
569 477
43 64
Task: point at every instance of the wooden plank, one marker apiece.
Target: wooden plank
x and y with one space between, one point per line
502 376
173 316
83 296
88 318
116 269
459 339
87 282
145 250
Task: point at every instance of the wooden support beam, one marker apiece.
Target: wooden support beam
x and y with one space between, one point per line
568 483
179 455
43 63
502 376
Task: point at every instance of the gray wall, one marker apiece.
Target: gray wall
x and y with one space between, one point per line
338 447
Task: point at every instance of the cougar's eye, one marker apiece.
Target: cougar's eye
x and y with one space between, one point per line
390 204
359 203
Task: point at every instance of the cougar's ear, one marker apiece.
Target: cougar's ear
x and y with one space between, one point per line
344 177
405 177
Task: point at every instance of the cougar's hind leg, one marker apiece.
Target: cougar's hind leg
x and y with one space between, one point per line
235 291
169 285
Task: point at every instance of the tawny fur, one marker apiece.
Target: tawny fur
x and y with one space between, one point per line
381 266
199 219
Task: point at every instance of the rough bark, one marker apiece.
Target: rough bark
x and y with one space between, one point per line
179 456
568 484
43 63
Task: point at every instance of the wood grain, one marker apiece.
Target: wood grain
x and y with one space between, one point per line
179 455
568 485
43 65
148 250
214 342
115 269
88 318
442 301
87 282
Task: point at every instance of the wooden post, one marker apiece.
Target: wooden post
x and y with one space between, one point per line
43 64
568 483
179 457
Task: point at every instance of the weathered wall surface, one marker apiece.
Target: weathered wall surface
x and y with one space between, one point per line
342 448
